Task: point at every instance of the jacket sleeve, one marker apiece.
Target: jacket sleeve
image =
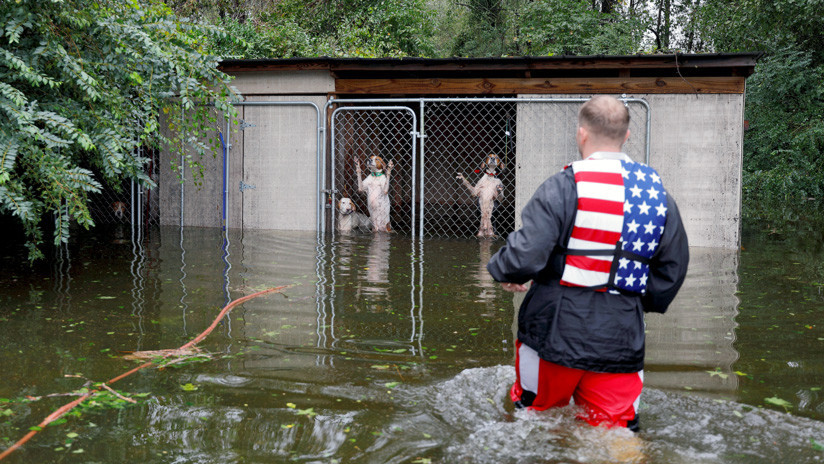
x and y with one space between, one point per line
668 267
527 250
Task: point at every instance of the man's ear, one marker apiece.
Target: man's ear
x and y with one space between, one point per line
582 135
626 138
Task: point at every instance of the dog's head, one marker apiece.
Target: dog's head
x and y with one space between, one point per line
119 209
345 206
375 164
492 162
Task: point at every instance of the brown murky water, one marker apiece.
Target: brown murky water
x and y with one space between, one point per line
388 350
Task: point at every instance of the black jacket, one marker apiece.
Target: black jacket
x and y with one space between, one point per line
576 327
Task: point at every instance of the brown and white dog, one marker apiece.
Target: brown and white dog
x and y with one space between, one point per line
349 220
119 209
376 187
487 190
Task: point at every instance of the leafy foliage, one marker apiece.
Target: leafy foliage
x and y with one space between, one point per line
81 85
785 96
348 28
573 27
539 28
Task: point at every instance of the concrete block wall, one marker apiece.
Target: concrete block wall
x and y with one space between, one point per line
697 333
277 155
280 160
695 144
202 195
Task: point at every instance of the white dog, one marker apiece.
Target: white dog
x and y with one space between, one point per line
376 186
487 190
349 219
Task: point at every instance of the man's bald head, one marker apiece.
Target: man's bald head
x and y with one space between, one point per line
605 118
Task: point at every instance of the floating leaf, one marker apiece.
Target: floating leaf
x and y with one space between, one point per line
816 445
188 387
104 297
718 373
380 366
307 412
392 384
778 402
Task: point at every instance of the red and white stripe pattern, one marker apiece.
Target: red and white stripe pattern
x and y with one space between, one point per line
598 222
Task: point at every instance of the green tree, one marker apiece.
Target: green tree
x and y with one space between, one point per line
297 28
84 83
580 27
540 28
785 97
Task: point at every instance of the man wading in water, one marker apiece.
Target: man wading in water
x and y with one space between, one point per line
603 243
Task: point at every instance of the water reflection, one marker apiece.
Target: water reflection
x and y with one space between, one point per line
376 271
383 351
371 291
486 284
691 346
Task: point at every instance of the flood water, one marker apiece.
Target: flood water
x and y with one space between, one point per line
386 350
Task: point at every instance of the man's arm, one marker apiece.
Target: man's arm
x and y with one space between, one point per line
527 250
668 267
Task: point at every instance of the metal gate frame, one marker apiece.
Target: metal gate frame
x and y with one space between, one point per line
413 133
371 103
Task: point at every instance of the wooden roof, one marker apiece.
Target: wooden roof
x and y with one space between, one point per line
671 73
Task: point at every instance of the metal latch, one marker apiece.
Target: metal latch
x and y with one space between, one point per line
244 124
245 186
329 193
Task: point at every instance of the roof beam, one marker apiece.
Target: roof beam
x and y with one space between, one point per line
632 85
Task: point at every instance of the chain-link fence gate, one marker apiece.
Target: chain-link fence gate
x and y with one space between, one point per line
129 205
436 141
358 135
459 137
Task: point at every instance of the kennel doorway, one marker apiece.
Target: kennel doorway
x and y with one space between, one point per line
360 132
438 138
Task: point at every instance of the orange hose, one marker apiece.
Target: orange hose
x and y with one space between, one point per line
69 406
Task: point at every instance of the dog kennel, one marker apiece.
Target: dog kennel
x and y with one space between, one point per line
303 122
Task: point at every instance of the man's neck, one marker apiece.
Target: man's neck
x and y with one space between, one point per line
588 151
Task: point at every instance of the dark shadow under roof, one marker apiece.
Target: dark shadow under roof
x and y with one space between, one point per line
711 64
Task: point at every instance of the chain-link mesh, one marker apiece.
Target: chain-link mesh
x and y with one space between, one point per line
459 137
129 203
360 134
532 138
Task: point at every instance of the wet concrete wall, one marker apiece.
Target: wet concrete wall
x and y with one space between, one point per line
691 346
695 144
272 181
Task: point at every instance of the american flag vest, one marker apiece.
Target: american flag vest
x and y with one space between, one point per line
621 213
